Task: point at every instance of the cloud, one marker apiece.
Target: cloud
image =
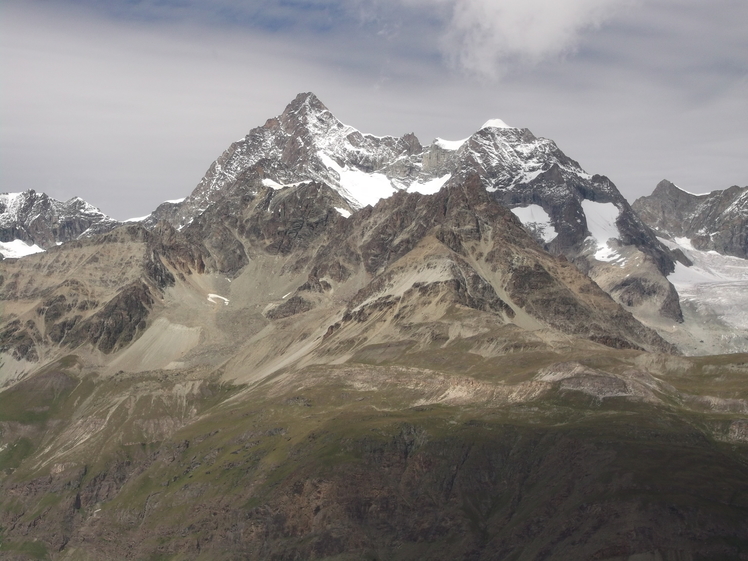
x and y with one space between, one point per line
485 37
126 103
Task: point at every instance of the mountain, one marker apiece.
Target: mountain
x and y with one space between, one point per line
717 221
342 346
35 219
569 212
709 232
335 269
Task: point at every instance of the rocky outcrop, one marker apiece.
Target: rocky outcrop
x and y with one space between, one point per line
97 291
480 240
118 322
20 340
36 218
717 221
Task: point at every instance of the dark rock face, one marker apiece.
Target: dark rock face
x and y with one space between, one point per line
240 210
19 340
517 167
464 218
717 221
35 218
536 172
278 222
112 313
635 291
117 323
291 307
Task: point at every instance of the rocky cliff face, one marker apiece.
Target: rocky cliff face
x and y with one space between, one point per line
568 211
293 192
36 218
717 221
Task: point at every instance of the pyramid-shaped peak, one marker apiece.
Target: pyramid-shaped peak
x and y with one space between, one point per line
667 188
666 185
306 103
306 114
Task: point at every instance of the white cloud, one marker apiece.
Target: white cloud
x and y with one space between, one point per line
486 36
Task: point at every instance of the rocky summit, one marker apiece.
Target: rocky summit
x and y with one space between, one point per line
343 346
35 219
717 221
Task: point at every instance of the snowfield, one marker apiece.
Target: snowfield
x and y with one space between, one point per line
535 219
17 249
717 286
601 222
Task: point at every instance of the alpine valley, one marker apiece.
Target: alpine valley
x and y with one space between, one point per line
343 346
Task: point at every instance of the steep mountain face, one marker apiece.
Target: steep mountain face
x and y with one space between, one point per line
382 266
97 293
717 221
37 219
568 211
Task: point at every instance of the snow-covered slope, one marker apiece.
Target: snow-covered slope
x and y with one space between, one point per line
714 298
17 249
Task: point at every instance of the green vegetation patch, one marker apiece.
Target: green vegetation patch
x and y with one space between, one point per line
33 549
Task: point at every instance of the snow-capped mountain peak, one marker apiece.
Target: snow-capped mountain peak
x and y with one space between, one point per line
495 124
306 142
713 221
40 222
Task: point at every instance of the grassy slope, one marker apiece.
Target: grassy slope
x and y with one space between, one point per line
367 461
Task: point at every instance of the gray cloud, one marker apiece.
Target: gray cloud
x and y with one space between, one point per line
485 36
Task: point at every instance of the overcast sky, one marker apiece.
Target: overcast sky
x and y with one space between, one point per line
127 102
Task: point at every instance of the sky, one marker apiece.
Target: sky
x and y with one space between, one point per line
126 103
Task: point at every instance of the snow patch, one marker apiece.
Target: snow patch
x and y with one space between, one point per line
601 223
715 284
689 192
450 144
10 197
18 248
429 187
709 267
359 187
535 219
690 276
684 243
138 219
496 124
216 299
343 212
176 201
267 182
